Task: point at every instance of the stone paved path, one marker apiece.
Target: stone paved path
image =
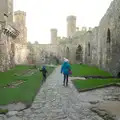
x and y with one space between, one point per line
56 102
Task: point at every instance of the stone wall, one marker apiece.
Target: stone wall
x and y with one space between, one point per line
101 45
6 53
43 53
21 54
108 39
13 40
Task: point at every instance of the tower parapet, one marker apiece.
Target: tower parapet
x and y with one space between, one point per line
53 36
71 25
20 17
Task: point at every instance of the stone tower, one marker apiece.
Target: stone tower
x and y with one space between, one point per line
71 25
6 10
20 24
53 36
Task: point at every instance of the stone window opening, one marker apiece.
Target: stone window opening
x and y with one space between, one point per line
118 75
79 54
88 49
67 52
108 36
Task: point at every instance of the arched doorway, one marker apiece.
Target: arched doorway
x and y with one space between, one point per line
67 52
88 49
79 54
12 55
118 75
108 46
108 36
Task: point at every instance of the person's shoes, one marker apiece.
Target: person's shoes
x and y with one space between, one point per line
63 84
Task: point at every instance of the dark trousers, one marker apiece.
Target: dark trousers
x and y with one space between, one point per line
44 77
65 82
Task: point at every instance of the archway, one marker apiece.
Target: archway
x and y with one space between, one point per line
108 36
108 46
118 75
67 52
79 54
88 49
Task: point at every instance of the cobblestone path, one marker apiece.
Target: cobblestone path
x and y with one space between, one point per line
56 102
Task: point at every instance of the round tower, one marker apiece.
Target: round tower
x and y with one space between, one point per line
71 25
53 36
20 17
20 24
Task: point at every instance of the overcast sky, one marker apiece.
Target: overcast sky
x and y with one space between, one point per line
42 15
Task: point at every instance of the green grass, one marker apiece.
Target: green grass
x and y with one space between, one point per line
93 83
11 75
23 93
3 111
85 70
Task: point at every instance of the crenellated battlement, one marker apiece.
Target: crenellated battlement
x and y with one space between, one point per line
71 18
19 12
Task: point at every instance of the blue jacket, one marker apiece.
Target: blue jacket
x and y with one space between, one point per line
65 68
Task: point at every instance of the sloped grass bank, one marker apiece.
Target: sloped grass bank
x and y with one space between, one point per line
85 70
91 84
24 92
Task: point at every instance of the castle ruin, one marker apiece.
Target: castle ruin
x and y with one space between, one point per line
13 33
97 46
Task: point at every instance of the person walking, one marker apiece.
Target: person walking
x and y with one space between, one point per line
44 72
65 69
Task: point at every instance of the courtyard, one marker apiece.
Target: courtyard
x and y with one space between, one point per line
54 101
90 43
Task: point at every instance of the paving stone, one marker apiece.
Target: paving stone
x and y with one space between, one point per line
11 113
14 118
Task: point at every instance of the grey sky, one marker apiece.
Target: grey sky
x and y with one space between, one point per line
42 15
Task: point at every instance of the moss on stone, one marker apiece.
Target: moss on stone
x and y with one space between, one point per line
3 111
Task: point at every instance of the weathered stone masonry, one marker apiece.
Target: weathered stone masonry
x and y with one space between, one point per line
99 46
13 36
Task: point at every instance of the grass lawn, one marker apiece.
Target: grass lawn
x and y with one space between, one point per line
82 85
85 70
24 92
11 75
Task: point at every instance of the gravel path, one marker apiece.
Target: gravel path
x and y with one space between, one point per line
56 102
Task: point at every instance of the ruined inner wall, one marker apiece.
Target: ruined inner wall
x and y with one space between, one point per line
108 38
91 46
6 53
44 53
94 46
21 54
102 43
